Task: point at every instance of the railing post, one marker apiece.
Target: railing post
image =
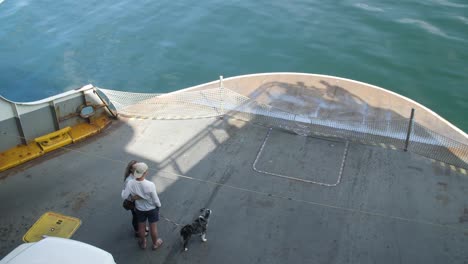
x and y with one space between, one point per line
221 87
19 126
410 126
54 115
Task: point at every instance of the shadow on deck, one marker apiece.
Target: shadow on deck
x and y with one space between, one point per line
390 206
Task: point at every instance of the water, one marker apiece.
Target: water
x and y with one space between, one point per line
416 48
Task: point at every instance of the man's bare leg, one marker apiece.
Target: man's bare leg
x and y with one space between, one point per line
157 242
141 234
154 232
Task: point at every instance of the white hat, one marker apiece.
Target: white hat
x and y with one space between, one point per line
140 169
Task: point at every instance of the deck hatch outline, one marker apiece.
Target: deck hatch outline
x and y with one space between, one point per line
340 173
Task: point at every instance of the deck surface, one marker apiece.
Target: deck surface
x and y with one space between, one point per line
388 206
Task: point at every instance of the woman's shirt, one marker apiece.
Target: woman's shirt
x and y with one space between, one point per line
146 190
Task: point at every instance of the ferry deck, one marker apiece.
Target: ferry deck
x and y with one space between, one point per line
276 196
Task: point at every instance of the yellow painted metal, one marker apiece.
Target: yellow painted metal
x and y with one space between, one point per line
54 140
82 131
101 121
52 224
18 155
22 153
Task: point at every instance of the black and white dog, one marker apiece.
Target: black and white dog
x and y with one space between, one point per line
198 226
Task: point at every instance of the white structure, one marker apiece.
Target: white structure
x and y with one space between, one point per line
54 250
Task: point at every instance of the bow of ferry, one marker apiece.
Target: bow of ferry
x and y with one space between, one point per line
297 168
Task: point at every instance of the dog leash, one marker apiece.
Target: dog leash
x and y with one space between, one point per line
169 220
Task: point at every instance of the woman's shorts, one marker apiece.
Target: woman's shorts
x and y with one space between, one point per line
151 215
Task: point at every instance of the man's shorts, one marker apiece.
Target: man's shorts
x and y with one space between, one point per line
151 215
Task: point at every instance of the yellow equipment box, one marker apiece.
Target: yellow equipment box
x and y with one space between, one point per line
52 224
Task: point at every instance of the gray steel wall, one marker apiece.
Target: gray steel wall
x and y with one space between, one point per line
37 123
9 134
66 107
42 117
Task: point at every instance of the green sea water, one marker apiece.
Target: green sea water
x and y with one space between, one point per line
416 48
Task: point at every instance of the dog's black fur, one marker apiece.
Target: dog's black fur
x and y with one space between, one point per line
198 226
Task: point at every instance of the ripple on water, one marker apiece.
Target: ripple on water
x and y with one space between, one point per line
425 26
450 4
462 19
367 7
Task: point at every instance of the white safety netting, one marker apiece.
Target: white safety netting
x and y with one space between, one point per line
221 101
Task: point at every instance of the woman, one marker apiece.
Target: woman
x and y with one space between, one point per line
146 206
128 176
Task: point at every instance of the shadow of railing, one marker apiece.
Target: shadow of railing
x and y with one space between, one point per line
331 110
335 112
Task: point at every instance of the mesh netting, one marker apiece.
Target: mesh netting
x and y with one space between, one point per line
226 102
182 105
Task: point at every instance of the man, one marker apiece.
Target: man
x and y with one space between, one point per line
147 204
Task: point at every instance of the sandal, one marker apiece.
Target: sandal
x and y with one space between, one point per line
142 244
159 242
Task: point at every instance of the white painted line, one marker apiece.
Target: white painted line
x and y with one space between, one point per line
254 165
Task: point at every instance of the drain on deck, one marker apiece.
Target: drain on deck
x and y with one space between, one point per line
313 160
